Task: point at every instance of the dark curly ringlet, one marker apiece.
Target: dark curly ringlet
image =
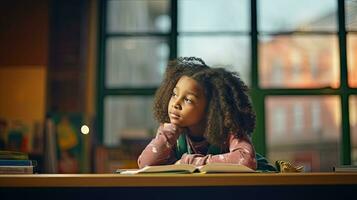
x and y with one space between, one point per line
229 108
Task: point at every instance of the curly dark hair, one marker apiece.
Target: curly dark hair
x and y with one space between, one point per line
229 108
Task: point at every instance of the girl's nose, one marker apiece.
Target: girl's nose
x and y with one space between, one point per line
177 105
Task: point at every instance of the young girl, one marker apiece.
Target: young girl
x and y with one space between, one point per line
206 117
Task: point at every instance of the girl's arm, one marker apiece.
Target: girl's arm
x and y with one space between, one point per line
160 150
241 151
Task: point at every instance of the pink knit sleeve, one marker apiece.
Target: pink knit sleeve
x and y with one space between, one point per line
160 150
241 151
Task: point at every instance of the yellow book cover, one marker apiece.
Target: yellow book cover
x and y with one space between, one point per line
13 155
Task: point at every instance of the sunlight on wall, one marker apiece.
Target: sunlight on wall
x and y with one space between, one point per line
22 93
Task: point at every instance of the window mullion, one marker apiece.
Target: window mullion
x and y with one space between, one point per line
345 122
257 97
174 30
101 71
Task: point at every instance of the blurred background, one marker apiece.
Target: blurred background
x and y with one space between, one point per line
77 77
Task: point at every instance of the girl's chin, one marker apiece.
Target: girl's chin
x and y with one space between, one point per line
176 122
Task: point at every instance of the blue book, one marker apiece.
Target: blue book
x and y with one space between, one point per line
17 163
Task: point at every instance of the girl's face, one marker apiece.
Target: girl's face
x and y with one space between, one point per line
187 106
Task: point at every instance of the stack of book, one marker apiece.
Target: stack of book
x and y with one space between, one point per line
12 162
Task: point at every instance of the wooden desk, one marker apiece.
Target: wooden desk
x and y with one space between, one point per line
180 186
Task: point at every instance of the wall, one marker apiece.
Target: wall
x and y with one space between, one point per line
23 60
24 33
22 90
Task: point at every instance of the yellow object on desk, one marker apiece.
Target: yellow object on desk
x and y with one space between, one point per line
284 166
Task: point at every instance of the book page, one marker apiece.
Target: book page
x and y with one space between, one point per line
187 168
224 167
181 168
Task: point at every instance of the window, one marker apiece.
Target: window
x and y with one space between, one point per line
278 121
316 116
299 63
135 49
298 118
294 52
306 38
302 142
204 32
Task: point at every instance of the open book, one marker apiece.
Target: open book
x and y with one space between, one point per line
186 168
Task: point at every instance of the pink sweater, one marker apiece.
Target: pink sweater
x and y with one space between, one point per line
161 150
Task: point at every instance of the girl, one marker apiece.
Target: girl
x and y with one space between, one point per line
206 117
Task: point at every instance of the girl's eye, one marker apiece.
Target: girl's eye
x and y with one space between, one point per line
189 101
174 95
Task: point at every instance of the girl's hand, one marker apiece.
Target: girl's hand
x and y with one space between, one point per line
173 128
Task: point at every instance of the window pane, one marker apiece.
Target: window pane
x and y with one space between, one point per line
232 53
304 130
128 118
213 15
352 59
138 16
135 62
353 125
299 61
351 17
297 15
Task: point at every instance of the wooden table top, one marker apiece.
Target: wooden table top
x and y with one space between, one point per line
174 180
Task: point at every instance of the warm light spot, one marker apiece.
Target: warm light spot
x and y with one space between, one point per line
85 129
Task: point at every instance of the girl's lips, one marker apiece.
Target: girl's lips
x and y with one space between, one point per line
174 115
